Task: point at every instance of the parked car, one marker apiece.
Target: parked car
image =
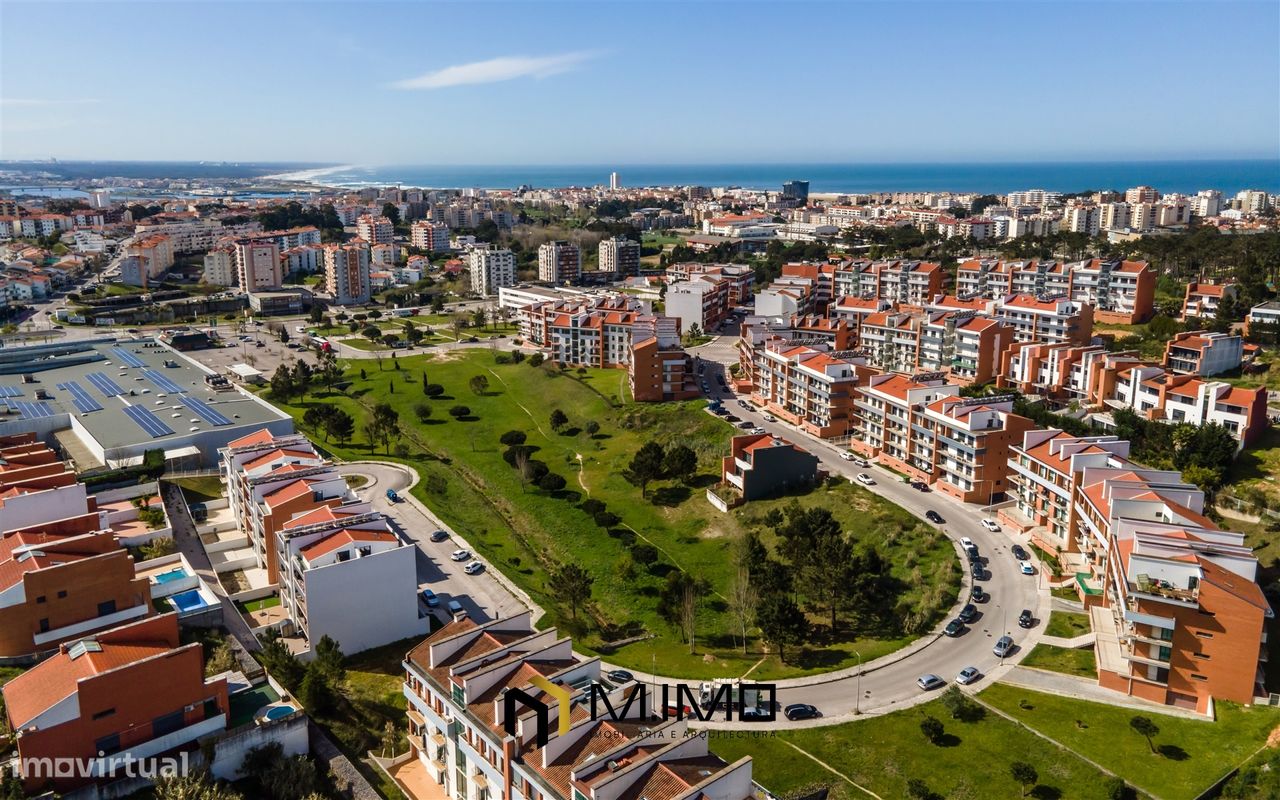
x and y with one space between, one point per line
920 486
756 431
991 525
847 456
862 462
968 614
1019 553
454 607
968 675
770 418
732 419
1025 619
392 496
429 597
865 479
744 404
934 517
967 543
746 425
954 628
439 536
977 595
460 555
797 711
619 676
1025 568
474 568
930 682
1004 646
979 571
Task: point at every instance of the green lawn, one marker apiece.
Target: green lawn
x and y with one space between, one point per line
1254 472
1073 661
883 753
257 605
1067 625
200 489
1193 754
524 531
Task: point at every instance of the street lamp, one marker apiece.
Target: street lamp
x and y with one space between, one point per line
857 698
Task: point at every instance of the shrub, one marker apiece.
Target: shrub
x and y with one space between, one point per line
644 554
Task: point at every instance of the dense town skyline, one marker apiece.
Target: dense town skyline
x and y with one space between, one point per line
538 79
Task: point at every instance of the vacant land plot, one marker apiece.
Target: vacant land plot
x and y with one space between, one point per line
526 531
1073 661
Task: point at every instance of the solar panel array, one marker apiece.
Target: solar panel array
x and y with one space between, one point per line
31 410
104 384
84 403
205 412
128 358
147 421
10 391
162 383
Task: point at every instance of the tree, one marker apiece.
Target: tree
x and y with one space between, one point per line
1146 728
644 554
932 729
592 427
535 360
1117 789
315 692
558 420
1024 774
328 659
434 390
458 412
282 383
422 411
961 706
551 482
195 785
512 438
571 584
478 317
340 425
781 622
680 462
479 384
647 465
384 425
743 594
606 519
372 333
278 661
302 378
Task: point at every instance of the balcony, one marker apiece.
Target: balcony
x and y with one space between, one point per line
1163 589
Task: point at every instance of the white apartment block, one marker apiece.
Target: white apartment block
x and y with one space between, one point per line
1052 321
559 262
192 236
430 236
619 255
305 259
258 265
491 269
220 266
375 229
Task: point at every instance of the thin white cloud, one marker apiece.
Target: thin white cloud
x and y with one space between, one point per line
495 70
43 101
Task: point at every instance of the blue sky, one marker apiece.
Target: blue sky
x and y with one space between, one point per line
633 82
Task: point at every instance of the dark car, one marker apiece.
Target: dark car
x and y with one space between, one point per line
1025 619
920 486
800 711
977 595
1019 553
968 614
439 536
979 571
620 676
472 340
934 517
429 597
954 628
731 418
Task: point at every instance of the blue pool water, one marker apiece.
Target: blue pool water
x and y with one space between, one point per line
175 574
188 600
276 712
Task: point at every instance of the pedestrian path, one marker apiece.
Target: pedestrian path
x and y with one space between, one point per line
1083 640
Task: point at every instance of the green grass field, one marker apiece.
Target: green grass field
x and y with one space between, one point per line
524 531
1072 661
200 489
1067 625
1191 754
883 753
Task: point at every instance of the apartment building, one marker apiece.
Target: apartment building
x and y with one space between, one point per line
154 257
620 256
430 236
1121 292
702 302
63 573
258 265
1060 372
788 296
346 272
134 691
303 236
763 465
854 310
190 234
811 387
988 277
456 682
306 259
884 431
964 344
220 266
1039 278
1203 353
1157 395
910 282
739 278
1201 300
1055 320
960 445
659 367
490 269
1176 610
375 229
1262 316
316 541
559 262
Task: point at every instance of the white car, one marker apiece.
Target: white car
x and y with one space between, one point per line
991 525
862 462
770 418
847 456
460 555
474 568
966 543
865 479
756 431
1025 568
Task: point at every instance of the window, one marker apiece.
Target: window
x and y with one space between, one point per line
1201 656
40 599
167 723
106 607
62 593
104 713
44 625
108 744
1204 635
1198 677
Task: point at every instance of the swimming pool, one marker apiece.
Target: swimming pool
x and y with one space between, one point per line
188 600
175 574
277 712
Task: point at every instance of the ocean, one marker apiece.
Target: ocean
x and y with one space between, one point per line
1076 176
